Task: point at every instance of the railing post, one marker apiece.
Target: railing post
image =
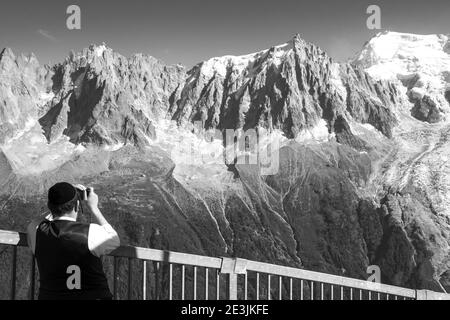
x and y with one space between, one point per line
32 277
115 272
144 279
232 286
232 267
13 273
130 279
421 295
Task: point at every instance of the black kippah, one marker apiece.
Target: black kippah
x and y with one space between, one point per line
61 193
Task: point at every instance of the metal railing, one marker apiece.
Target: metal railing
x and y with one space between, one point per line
186 276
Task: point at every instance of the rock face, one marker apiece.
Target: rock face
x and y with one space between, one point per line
102 97
414 249
22 81
288 87
353 185
6 169
426 110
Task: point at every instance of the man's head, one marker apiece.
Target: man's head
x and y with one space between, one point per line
62 199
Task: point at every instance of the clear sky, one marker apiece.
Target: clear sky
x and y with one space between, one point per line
189 31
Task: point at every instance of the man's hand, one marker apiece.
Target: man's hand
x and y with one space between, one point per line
92 203
92 199
82 188
91 196
79 186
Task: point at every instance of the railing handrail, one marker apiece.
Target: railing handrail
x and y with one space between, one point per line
167 256
239 265
13 238
290 272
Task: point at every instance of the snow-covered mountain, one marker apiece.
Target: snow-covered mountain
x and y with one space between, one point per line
420 66
421 63
362 175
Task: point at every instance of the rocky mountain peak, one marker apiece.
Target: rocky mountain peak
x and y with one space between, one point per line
290 87
297 38
103 97
99 96
7 53
10 60
299 43
419 63
22 80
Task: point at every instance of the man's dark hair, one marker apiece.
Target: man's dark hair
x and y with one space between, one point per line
60 209
62 198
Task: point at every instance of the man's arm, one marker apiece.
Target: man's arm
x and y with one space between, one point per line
32 228
102 238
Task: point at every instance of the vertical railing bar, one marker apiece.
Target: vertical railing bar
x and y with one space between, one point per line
206 283
332 292
321 291
280 284
257 286
379 297
33 275
387 296
245 286
183 275
195 283
170 281
144 279
115 267
351 293
232 286
218 285
370 295
13 272
301 289
290 288
268 286
129 278
342 293
157 281
312 290
360 294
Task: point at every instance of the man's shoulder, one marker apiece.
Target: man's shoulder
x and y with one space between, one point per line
34 224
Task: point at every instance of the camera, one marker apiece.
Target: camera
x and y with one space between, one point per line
83 194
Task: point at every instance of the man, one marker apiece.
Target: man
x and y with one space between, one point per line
68 252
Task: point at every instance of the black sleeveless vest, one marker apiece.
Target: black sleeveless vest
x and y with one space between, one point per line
59 245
